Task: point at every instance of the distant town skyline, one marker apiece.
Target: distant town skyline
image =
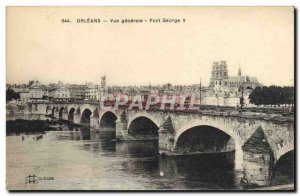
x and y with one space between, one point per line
136 84
40 47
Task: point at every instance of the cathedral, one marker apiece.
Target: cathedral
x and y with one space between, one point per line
220 80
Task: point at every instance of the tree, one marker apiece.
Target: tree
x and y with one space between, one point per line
272 95
256 96
11 94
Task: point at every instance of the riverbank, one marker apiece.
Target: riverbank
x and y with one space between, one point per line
27 126
35 126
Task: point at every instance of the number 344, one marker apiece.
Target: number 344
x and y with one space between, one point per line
65 20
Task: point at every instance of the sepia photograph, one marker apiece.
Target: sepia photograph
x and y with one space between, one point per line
150 98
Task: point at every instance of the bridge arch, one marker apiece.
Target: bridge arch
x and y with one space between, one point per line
108 119
289 154
218 126
53 111
283 149
48 109
60 114
143 127
235 140
146 115
204 138
86 116
71 114
284 167
96 112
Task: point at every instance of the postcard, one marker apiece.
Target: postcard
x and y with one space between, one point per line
150 98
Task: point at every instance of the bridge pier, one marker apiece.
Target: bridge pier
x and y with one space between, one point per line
48 112
77 119
257 160
166 138
121 131
94 122
64 116
121 127
56 114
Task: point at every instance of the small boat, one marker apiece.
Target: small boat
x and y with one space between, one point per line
39 137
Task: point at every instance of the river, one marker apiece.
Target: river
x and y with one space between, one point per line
81 159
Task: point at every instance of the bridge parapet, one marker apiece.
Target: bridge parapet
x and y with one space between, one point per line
268 114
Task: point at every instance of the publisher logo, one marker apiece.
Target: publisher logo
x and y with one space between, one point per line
31 179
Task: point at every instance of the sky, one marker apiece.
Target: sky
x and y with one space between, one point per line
260 40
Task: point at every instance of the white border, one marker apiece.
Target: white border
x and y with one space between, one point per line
5 3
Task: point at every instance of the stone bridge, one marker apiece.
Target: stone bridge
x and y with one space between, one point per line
261 139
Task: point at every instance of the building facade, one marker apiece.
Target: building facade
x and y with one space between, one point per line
92 93
77 92
37 92
61 93
24 97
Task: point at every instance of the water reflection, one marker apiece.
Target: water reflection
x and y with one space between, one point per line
142 158
101 142
73 135
146 148
214 169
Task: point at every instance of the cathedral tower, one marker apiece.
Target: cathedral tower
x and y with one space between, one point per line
219 73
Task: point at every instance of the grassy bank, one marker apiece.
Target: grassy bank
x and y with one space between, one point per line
34 126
